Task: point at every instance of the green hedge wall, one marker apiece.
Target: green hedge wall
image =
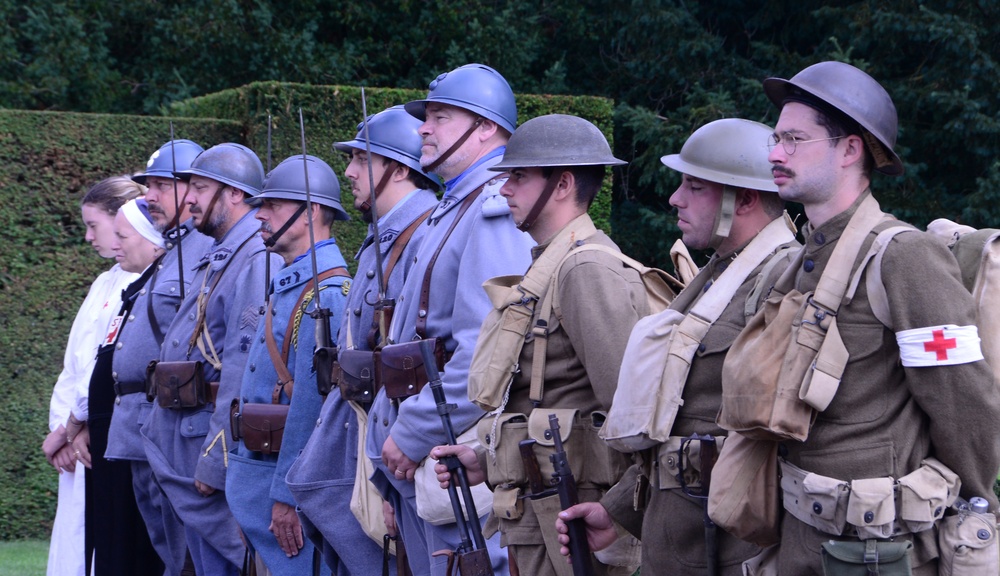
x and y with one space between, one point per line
48 161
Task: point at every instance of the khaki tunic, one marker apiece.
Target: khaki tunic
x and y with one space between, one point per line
886 418
600 301
672 524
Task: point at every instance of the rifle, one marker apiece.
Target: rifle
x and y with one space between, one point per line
473 557
177 214
565 484
383 306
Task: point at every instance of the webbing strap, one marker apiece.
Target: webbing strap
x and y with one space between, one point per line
425 287
286 381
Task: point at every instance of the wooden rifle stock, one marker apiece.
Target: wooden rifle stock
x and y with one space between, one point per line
579 549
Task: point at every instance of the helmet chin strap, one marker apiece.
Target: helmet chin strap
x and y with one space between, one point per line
284 228
458 143
366 206
724 218
543 199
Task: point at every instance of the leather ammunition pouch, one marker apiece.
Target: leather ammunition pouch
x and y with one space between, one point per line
327 370
260 426
357 373
402 368
178 385
592 461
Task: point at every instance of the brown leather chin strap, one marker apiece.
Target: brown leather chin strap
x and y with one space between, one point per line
284 228
390 169
458 143
211 205
543 199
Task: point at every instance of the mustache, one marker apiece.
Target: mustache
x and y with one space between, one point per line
266 228
776 170
195 209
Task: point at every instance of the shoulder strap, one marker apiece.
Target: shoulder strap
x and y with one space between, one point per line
280 361
394 255
837 275
425 287
872 261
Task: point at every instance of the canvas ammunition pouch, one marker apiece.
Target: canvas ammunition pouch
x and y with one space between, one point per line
786 365
874 508
260 426
744 498
662 347
177 385
968 543
867 558
592 461
357 373
402 368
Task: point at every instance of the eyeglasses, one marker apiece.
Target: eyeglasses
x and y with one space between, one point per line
789 142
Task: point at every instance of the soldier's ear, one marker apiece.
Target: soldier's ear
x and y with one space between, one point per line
747 200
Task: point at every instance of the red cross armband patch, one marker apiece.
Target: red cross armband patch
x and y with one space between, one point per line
939 346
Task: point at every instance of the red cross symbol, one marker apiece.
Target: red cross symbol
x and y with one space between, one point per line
940 345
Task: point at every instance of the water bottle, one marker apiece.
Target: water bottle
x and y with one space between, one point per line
979 505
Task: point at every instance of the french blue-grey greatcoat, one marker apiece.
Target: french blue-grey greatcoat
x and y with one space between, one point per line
322 478
139 345
484 244
255 481
185 445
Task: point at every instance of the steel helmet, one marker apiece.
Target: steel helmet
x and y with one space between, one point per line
393 134
854 94
163 162
229 163
473 87
557 140
731 151
288 182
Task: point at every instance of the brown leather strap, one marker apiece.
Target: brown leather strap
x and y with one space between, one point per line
203 297
394 255
286 381
458 143
389 169
425 288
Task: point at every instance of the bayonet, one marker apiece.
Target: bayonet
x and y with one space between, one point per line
383 306
176 225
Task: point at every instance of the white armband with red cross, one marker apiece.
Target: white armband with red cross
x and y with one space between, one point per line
939 346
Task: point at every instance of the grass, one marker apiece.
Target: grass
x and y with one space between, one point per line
23 557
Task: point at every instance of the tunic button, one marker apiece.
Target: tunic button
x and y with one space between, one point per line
869 516
817 508
808 265
131 318
190 427
319 421
175 343
118 346
173 289
701 348
819 238
191 316
385 421
347 425
370 274
115 376
274 312
422 313
118 400
357 311
253 367
414 259
143 291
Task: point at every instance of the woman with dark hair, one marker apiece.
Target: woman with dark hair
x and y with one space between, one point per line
98 208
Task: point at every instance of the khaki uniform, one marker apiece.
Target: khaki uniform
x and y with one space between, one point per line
600 301
671 525
886 418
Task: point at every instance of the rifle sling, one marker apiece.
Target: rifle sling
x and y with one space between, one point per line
286 381
425 288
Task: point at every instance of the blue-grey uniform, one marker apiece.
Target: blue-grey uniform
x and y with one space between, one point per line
254 480
483 245
184 445
154 310
322 478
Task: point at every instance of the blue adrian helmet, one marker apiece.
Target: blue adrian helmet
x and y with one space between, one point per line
161 163
393 134
473 87
232 164
288 182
